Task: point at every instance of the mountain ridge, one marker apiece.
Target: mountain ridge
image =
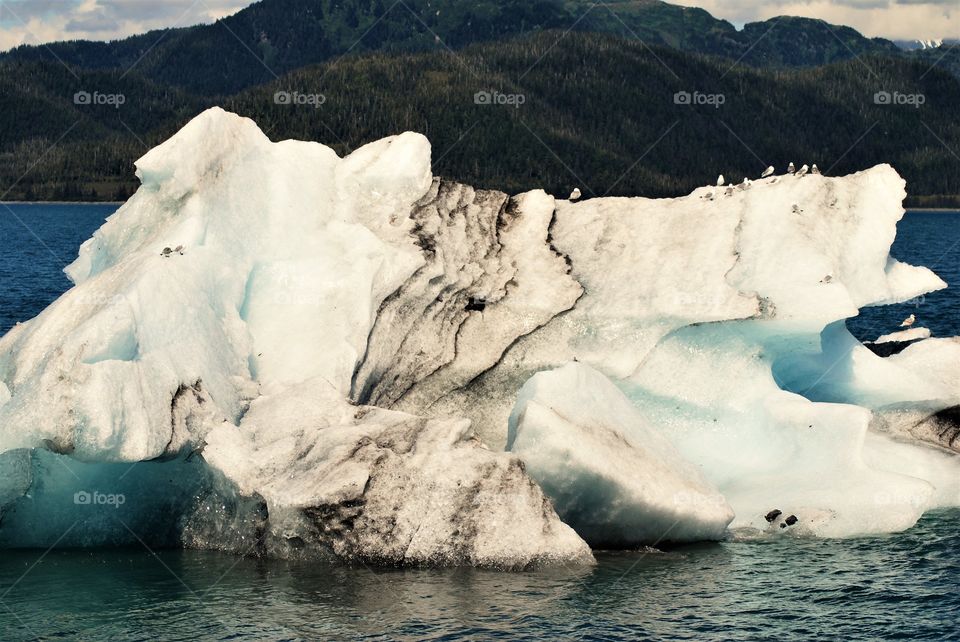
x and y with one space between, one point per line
284 35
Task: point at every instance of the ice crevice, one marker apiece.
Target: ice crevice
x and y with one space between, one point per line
353 358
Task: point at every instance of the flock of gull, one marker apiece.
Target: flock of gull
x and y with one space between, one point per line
721 181
791 171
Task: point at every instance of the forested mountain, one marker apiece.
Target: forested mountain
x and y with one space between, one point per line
600 112
272 37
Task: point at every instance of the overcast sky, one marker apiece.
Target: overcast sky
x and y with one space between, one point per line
39 21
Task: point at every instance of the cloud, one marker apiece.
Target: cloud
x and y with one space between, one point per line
43 21
172 11
92 22
943 2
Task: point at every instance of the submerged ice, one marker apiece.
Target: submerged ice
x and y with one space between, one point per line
337 352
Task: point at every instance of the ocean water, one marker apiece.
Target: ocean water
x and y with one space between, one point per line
902 586
931 239
39 240
899 586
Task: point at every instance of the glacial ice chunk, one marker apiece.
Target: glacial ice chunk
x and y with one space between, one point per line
609 472
765 448
385 487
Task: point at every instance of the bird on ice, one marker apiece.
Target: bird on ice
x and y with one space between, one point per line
745 184
815 169
720 180
767 172
803 171
791 168
166 252
909 321
575 194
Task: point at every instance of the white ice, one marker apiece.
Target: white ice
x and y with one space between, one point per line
911 334
610 473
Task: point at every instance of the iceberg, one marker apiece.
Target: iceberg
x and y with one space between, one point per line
270 349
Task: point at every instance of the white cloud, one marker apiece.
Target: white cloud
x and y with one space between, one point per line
43 21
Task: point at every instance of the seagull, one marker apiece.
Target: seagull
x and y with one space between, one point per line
720 180
729 191
575 194
745 184
708 196
767 172
796 209
791 168
803 171
827 279
166 252
909 321
815 169
179 249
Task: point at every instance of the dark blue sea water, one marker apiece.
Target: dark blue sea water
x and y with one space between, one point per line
931 239
39 240
901 586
